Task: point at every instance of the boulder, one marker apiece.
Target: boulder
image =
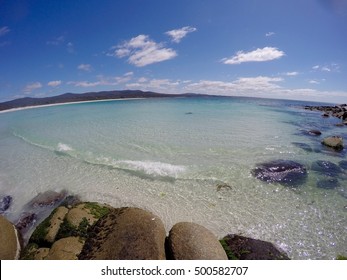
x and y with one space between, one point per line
126 234
326 168
5 203
286 172
65 249
328 183
244 248
190 241
9 241
54 224
335 142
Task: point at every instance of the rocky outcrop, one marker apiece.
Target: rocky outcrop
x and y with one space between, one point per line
338 111
244 248
126 234
63 233
9 241
286 172
314 132
326 168
335 142
190 241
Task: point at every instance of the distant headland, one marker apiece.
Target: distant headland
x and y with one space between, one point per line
88 96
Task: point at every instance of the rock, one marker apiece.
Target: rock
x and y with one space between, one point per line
48 198
328 183
65 249
334 142
9 241
343 164
190 241
244 248
303 146
327 168
26 222
325 115
54 224
286 172
314 132
5 203
82 211
126 234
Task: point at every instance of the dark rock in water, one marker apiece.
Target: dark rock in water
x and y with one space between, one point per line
286 172
5 203
343 164
48 198
126 234
26 222
243 248
334 142
190 241
329 183
314 132
189 113
327 168
304 146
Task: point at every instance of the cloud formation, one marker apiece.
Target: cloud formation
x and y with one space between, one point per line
54 83
104 81
269 34
142 51
258 55
178 34
85 67
4 30
31 87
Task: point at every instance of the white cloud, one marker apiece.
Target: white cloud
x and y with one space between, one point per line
268 34
104 81
142 51
31 87
333 67
4 30
258 55
54 83
294 73
178 34
314 82
85 67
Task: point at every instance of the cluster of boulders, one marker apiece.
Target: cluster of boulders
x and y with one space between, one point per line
338 111
93 231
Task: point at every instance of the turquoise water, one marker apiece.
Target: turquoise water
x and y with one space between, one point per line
169 155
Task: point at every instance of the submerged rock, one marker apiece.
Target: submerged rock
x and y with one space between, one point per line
343 164
304 146
5 203
190 241
126 234
327 168
314 132
328 183
9 241
286 172
335 142
244 248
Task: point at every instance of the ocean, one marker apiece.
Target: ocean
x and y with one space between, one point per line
185 159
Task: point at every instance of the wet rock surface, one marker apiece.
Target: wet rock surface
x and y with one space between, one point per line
326 168
5 203
334 142
286 172
244 248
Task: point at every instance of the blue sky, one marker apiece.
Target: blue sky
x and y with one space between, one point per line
264 48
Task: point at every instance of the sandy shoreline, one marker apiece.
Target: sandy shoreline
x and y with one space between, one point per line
64 103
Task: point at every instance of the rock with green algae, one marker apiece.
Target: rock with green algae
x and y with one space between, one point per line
60 225
243 248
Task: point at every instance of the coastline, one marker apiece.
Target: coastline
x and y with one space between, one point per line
64 103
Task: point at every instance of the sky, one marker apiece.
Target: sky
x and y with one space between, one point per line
287 49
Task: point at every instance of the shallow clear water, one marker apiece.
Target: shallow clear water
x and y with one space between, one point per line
169 155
